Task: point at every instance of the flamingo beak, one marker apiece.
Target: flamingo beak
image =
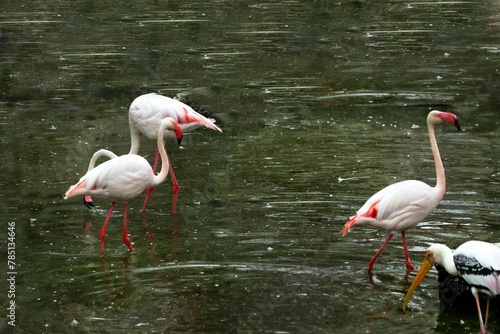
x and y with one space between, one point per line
87 200
457 125
425 267
178 133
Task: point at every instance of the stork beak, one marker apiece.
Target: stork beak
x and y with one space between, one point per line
425 267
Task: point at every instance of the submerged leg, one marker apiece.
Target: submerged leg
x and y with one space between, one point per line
409 266
377 254
150 190
125 236
102 234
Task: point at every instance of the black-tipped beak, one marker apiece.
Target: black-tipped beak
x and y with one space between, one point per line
87 200
457 125
179 140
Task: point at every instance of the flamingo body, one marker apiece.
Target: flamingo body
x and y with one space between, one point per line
405 204
119 179
146 113
477 262
398 206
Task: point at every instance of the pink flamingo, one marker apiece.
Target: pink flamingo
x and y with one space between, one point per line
123 178
145 116
404 204
146 113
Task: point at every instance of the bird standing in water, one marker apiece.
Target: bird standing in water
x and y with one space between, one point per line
146 113
405 204
123 178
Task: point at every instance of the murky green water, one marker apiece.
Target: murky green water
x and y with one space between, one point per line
321 103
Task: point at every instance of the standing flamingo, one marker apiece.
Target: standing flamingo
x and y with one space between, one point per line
477 262
404 204
145 116
123 178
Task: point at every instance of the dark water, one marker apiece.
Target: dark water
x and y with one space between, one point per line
321 104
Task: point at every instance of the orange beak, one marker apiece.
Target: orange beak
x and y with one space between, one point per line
426 265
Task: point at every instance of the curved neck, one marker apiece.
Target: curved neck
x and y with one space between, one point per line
157 179
100 153
440 177
135 138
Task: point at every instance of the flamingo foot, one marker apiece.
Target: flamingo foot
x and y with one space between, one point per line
126 240
409 266
125 237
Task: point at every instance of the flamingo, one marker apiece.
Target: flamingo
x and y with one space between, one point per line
404 204
145 116
123 178
477 262
87 199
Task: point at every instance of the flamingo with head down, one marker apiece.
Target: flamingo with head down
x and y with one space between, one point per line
146 113
123 178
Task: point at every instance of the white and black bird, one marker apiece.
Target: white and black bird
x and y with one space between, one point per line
477 262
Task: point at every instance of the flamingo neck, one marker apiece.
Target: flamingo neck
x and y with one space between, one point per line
157 179
135 138
440 176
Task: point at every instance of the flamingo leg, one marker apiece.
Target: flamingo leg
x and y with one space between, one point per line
377 254
125 236
150 189
409 266
102 234
175 186
481 323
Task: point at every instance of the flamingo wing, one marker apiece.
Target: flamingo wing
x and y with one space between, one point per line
147 111
119 179
397 207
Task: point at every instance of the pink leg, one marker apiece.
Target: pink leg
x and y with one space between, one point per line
150 190
102 234
409 266
481 323
175 186
377 254
125 236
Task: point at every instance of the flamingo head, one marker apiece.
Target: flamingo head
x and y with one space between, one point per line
437 116
178 133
